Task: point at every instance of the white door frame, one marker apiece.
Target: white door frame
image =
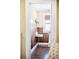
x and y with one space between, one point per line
28 25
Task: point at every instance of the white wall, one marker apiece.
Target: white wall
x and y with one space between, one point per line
53 21
33 24
28 29
40 18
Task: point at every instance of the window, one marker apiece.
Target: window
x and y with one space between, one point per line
47 27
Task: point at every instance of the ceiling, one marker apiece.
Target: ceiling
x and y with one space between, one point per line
40 1
40 5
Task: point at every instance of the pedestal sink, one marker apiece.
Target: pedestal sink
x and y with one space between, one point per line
38 37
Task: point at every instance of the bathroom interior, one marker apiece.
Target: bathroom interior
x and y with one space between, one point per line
39 29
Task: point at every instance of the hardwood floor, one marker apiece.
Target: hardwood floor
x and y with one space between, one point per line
41 52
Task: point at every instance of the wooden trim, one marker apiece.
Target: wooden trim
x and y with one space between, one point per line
22 29
57 21
33 49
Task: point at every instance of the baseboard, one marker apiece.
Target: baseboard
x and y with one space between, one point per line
37 45
34 48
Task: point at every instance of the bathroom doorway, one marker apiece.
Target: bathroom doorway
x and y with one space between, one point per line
40 28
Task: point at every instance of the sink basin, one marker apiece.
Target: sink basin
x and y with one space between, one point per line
39 35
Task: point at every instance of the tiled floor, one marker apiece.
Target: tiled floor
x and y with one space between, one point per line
40 53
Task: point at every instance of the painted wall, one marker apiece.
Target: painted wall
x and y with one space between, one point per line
28 29
39 15
33 24
40 18
53 21
22 28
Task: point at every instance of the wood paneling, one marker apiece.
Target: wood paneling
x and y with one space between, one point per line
57 10
45 37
